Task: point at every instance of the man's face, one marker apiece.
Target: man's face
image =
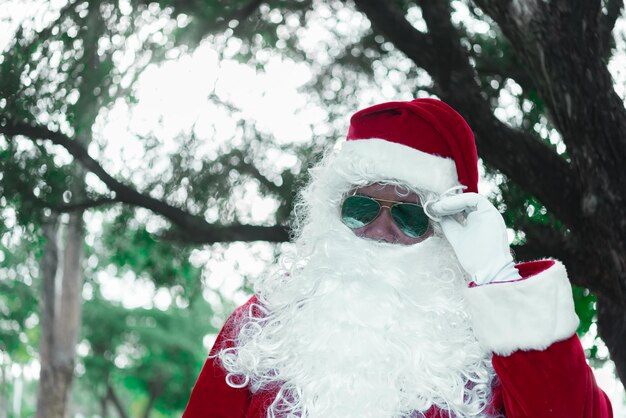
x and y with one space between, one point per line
383 228
358 327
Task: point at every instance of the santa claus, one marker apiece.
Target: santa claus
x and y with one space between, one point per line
401 297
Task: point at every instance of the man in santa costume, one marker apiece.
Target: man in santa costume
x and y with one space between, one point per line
401 297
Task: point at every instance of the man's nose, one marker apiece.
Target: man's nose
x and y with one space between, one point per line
382 228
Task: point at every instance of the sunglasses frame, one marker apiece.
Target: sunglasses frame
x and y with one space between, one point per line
390 204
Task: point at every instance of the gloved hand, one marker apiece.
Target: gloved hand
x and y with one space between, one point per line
480 242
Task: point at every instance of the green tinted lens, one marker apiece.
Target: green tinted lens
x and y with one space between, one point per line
358 211
410 218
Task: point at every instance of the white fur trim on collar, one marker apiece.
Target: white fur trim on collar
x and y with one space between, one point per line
382 159
530 314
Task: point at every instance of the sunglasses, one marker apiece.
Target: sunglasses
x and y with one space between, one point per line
358 211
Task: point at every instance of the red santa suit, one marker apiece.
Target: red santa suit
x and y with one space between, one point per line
527 323
554 382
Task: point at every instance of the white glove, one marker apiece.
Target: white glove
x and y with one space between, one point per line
481 242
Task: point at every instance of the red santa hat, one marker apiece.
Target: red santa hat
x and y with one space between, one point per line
423 143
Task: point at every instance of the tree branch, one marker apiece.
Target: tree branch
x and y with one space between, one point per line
250 169
246 11
543 241
244 233
192 228
607 23
72 207
517 154
392 24
87 204
492 63
206 26
525 160
117 403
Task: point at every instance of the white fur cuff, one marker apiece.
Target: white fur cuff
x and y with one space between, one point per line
530 314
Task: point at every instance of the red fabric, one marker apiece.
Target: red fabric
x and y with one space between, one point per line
211 396
530 268
428 125
554 383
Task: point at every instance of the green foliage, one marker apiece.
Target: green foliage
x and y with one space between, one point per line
585 305
145 352
19 246
17 303
519 208
32 181
128 245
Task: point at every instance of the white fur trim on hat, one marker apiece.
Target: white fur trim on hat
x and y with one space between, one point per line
381 159
530 314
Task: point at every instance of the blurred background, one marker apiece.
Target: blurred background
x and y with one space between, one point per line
150 150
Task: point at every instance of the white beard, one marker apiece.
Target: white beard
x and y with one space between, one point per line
358 328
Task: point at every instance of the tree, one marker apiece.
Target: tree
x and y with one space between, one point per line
18 302
56 81
557 162
161 351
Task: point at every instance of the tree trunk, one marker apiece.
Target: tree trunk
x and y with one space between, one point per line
112 396
612 330
50 396
146 412
4 400
104 403
60 317
156 387
64 318
18 393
